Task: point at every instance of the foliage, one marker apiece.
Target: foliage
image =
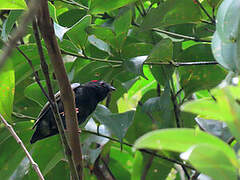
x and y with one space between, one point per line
150 51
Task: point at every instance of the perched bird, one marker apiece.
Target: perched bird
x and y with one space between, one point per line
87 96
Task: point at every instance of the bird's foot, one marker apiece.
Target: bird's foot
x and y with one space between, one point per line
62 113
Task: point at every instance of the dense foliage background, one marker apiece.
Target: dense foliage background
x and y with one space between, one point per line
157 54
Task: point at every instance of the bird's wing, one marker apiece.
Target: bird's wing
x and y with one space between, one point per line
46 106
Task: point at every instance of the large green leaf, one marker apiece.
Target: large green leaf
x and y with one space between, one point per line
20 64
34 92
13 4
97 6
135 65
12 154
7 87
172 12
224 109
194 78
118 124
9 23
77 33
211 161
180 140
228 20
162 52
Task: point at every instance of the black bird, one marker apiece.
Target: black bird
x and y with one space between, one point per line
87 96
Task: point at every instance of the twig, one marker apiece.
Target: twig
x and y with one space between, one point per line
47 30
140 12
52 99
175 64
142 150
35 73
19 33
22 116
180 35
195 176
143 9
19 141
205 11
147 167
75 3
186 172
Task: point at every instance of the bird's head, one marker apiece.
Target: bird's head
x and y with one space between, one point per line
101 88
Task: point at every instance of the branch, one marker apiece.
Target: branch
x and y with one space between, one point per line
19 141
173 63
147 167
19 33
51 100
66 92
71 2
180 35
141 150
205 11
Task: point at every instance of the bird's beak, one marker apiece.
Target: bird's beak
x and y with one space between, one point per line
112 88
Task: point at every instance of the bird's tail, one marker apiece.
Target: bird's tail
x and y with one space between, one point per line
39 134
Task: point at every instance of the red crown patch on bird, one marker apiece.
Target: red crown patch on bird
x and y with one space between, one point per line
94 80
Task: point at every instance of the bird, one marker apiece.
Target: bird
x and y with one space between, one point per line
87 96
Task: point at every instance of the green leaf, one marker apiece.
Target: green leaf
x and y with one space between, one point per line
172 12
20 64
93 144
135 65
9 23
136 49
227 20
213 3
194 78
52 12
13 4
99 44
123 21
70 17
105 34
7 86
209 109
162 103
180 140
118 124
137 166
34 92
211 161
97 6
12 154
162 52
77 33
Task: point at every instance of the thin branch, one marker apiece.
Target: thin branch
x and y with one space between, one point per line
141 150
22 116
19 141
205 11
147 167
186 172
139 10
175 64
71 2
52 99
143 9
47 30
35 74
180 35
19 33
